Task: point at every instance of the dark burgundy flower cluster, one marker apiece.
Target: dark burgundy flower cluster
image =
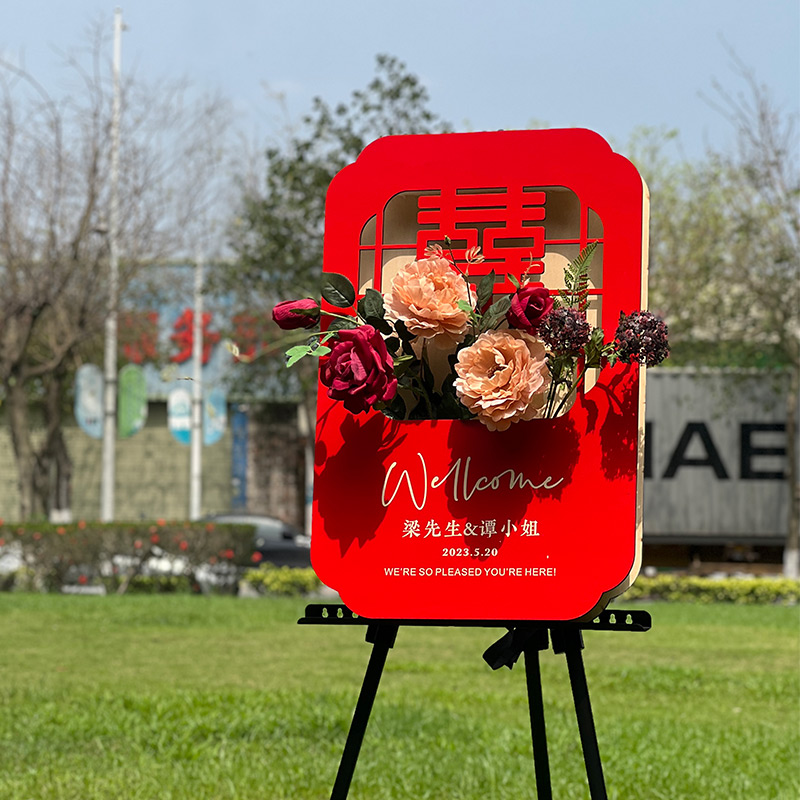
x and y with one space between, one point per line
641 337
565 330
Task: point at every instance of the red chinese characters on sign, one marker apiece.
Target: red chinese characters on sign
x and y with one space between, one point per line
184 337
445 519
138 336
249 334
500 220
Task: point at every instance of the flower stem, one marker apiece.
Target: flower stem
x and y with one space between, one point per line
424 394
334 315
555 377
573 388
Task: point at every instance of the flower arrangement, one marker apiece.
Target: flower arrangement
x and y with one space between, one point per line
436 346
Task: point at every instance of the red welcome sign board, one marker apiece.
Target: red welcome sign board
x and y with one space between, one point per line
445 519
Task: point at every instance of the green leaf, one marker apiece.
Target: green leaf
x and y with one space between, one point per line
379 323
427 377
396 409
294 354
485 289
514 281
338 290
320 351
305 312
342 325
594 349
403 332
408 348
496 313
372 303
576 277
465 306
584 259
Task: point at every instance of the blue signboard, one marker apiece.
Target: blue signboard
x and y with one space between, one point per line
179 415
215 415
89 400
239 457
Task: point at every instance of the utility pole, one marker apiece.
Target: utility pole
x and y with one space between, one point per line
196 454
110 362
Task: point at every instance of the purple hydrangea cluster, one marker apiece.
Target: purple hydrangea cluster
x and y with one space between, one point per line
565 330
641 337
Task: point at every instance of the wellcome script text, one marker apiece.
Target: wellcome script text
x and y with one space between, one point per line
461 485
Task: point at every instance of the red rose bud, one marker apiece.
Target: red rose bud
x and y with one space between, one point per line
292 314
529 306
359 371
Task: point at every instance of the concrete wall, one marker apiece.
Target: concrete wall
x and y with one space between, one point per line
275 464
152 475
716 457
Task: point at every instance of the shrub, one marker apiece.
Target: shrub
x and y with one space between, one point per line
117 553
715 590
159 584
271 580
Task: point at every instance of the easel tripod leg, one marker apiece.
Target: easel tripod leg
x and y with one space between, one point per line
570 642
533 676
382 638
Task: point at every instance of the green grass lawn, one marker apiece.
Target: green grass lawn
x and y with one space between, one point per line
205 698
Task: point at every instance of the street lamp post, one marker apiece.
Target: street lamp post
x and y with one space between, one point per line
110 362
196 441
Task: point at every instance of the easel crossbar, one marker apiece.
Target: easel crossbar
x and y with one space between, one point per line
608 620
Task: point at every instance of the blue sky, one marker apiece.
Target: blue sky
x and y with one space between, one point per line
609 65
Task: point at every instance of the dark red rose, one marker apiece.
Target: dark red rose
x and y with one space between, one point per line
359 370
292 314
529 306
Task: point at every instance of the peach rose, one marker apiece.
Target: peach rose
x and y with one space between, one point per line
425 296
503 378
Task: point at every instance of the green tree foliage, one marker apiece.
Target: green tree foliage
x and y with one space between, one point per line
277 236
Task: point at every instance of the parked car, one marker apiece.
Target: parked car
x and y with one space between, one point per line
277 541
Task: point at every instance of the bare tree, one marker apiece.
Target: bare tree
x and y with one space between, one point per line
763 199
725 252
54 196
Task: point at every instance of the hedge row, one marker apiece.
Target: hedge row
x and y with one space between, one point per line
714 590
268 579
116 554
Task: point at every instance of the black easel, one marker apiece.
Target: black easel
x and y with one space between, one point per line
522 638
